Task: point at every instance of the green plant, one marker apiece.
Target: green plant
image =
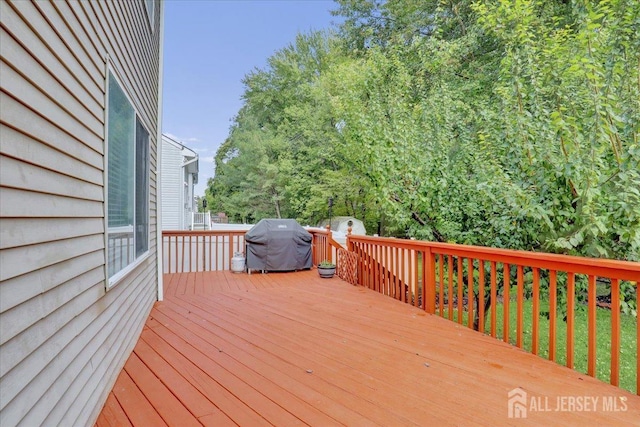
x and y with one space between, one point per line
326 264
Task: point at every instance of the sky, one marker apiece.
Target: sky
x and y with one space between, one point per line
209 46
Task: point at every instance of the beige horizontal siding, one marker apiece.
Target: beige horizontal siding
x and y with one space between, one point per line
18 203
17 261
44 306
60 86
80 28
33 152
17 173
30 231
21 288
45 133
76 343
63 336
14 84
118 344
54 48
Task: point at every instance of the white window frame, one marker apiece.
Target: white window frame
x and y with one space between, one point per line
118 276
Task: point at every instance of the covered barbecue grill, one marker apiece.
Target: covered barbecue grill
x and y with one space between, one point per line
278 245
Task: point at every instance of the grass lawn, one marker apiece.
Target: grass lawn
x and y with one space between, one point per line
628 346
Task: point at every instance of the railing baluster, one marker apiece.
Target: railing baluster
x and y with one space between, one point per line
571 287
378 271
441 286
191 257
198 253
416 298
505 302
403 285
393 278
363 265
184 253
481 304
450 290
470 317
615 332
169 258
375 267
210 258
423 280
553 308
178 254
536 311
520 306
591 324
230 250
384 270
371 267
460 290
494 298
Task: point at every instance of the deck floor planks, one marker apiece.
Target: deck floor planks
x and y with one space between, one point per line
391 420
274 366
112 415
276 387
251 396
138 409
370 365
361 347
199 289
179 386
468 350
363 368
170 409
228 403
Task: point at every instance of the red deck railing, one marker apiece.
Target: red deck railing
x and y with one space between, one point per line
486 289
187 251
324 247
191 251
458 281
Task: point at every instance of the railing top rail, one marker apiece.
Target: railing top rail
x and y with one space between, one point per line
317 230
203 232
625 270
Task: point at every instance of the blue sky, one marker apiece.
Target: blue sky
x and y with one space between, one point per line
209 46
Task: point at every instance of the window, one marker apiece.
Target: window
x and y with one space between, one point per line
127 182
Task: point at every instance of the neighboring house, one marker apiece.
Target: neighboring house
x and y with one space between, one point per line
79 272
179 173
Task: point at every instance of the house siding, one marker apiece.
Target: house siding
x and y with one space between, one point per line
63 337
172 187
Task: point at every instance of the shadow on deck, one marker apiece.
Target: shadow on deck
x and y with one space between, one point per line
293 349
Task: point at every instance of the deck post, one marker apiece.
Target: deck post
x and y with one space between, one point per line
430 285
328 249
314 243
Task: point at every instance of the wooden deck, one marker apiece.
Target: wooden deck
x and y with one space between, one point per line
293 349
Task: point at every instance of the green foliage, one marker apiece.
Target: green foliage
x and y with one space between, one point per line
569 92
326 264
506 124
